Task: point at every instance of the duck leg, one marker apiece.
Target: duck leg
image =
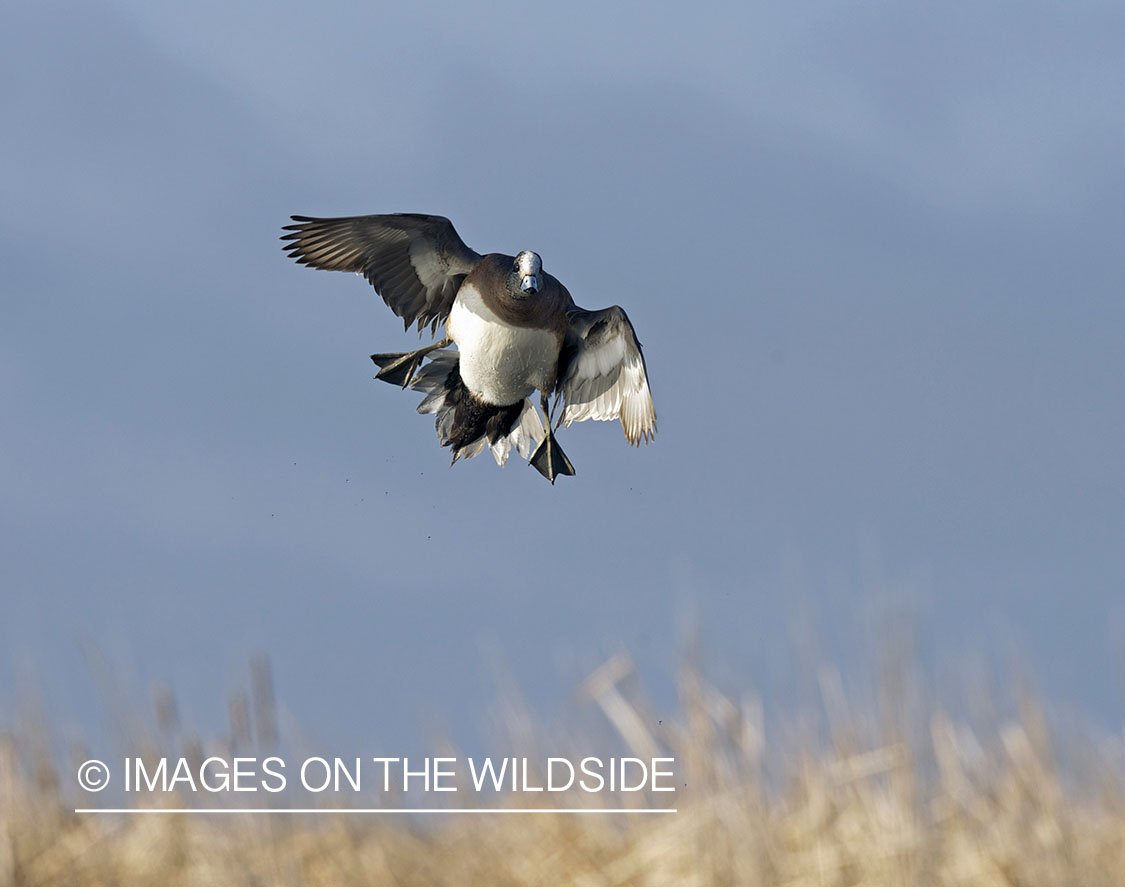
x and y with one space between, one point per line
399 369
549 459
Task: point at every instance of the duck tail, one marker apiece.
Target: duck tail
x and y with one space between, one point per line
467 424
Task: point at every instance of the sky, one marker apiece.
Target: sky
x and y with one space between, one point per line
872 252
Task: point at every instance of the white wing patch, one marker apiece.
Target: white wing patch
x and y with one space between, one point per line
606 376
430 266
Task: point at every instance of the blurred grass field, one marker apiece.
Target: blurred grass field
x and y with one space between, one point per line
904 794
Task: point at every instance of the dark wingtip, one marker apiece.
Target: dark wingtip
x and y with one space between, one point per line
298 228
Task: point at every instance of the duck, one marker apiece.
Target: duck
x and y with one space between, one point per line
516 329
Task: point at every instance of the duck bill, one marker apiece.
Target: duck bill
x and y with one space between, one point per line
530 284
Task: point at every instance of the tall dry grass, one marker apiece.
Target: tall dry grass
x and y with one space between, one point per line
882 798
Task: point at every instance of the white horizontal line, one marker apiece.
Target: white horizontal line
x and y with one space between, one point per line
134 810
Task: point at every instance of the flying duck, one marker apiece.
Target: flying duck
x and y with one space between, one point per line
516 328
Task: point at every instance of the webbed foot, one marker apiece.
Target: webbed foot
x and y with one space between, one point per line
399 369
550 460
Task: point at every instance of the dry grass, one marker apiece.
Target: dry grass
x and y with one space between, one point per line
886 800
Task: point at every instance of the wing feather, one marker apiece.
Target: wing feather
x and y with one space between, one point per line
603 375
415 262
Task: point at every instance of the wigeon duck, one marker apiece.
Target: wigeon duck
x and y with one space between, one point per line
516 328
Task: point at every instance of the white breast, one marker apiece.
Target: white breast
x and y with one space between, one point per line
500 363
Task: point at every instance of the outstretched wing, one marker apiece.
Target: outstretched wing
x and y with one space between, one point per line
602 373
415 262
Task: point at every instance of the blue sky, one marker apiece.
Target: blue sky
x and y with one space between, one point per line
871 251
